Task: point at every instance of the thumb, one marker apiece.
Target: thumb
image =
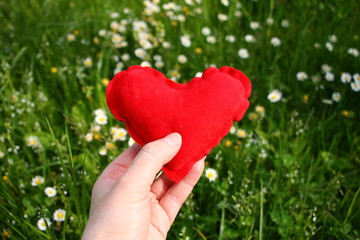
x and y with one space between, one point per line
149 161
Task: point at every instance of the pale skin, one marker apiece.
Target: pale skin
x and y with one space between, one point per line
127 203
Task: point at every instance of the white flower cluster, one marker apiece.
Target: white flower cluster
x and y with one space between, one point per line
58 216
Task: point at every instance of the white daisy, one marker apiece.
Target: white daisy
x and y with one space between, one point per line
353 51
89 137
285 23
59 215
159 64
254 25
230 38
260 109
237 13
355 86
102 33
119 134
345 77
270 21
325 68
97 128
145 64
103 151
2 154
114 25
99 111
185 41
182 59
157 57
206 31
211 174
275 41
198 74
250 38
243 53
333 38
88 62
336 96
166 44
116 38
329 46
301 76
240 133
101 119
232 130
140 53
225 3
114 15
50 192
71 37
43 223
125 57
32 141
37 180
275 95
222 17
329 76
356 77
131 141
211 39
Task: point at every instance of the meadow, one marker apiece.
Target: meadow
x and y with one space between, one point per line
290 169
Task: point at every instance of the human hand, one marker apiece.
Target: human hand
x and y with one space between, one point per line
127 203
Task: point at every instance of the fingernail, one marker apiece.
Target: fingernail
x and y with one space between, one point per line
173 139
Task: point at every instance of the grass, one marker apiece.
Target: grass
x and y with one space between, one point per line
291 172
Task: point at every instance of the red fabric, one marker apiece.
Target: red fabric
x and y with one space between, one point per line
202 111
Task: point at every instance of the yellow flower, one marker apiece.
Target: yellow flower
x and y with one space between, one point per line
347 113
253 116
228 143
96 136
110 146
175 74
241 133
260 109
96 40
5 178
54 70
198 50
76 32
306 98
105 81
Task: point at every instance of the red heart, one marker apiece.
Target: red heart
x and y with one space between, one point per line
202 111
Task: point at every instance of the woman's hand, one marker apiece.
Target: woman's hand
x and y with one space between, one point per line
127 203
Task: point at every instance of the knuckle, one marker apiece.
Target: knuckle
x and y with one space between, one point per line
150 151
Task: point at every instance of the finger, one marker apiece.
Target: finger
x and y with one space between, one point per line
113 171
161 185
178 193
141 173
121 163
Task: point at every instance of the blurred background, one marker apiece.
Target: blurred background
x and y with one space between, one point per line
288 170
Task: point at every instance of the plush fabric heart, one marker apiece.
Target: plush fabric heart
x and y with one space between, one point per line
202 111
